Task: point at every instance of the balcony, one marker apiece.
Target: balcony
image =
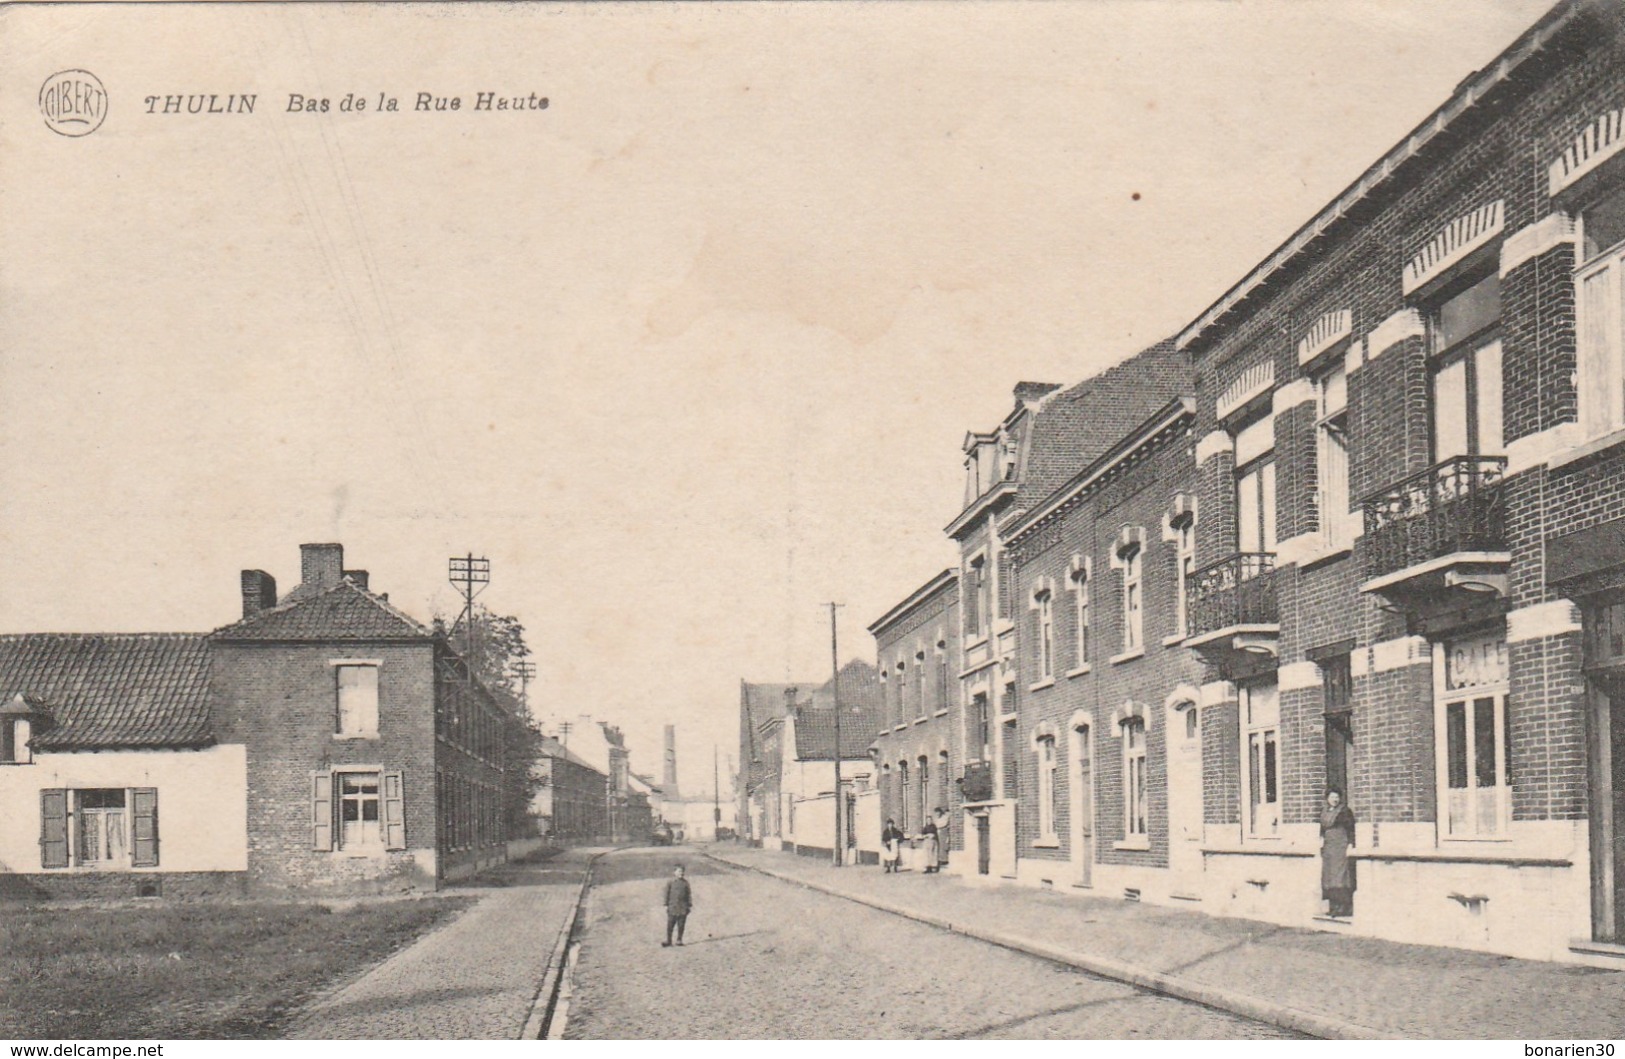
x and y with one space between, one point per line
1438 538
1234 620
977 783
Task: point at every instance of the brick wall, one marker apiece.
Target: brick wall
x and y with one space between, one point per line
279 700
1392 767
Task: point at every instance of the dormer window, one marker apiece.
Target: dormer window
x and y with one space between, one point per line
1007 459
17 722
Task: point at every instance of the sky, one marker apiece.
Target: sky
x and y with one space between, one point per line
687 355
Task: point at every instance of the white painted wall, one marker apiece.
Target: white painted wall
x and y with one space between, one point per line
202 803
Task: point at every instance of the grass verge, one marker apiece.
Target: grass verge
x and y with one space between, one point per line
189 971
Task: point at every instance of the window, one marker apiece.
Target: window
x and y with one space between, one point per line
99 828
14 735
1184 529
365 809
922 784
982 736
1261 721
1601 325
1134 814
1133 598
1475 776
919 683
902 691
1255 487
357 700
1332 455
1046 788
1043 609
975 597
1466 372
903 789
942 675
1080 598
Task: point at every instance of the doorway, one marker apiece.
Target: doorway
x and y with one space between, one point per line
1604 636
984 845
1184 738
1083 786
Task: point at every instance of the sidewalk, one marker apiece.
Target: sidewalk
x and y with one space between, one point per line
473 979
1324 984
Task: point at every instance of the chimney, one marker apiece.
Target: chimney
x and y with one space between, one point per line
790 700
259 592
669 777
321 565
358 576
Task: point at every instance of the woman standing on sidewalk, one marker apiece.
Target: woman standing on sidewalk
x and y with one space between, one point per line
892 839
1336 869
928 853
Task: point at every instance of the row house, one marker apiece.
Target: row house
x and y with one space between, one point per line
571 802
1110 783
325 740
1408 418
1359 528
920 739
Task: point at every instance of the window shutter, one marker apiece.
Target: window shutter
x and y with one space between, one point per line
394 811
321 811
144 820
53 828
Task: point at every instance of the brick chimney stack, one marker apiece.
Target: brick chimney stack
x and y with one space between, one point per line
259 592
669 777
321 566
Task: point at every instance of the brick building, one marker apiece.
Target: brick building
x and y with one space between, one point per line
1110 779
572 797
326 740
762 712
920 740
1399 536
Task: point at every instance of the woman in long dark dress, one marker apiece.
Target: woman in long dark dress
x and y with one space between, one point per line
1336 869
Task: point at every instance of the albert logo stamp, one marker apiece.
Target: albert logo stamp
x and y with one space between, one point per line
73 102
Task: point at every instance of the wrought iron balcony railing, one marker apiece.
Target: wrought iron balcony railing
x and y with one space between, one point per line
1237 590
977 783
1452 507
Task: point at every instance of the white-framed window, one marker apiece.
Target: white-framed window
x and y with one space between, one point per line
356 710
1465 372
982 719
1046 787
1470 688
1080 613
902 691
1130 561
942 673
1134 786
99 828
1184 533
1043 610
919 683
1261 756
975 595
922 785
904 790
1255 487
1332 455
364 809
1598 291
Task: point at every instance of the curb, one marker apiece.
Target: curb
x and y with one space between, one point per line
1243 1004
547 994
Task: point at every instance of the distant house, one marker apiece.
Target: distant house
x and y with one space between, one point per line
807 770
762 710
325 740
571 800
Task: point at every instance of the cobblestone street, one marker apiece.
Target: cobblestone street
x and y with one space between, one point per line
766 959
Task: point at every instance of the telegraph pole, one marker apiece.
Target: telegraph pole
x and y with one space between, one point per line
470 576
835 695
525 670
716 794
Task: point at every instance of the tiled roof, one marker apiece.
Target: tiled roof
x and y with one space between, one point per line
108 691
860 716
343 612
1077 426
553 748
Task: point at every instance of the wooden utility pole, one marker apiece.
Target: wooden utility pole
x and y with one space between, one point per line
835 696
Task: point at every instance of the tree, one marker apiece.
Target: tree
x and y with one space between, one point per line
493 646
